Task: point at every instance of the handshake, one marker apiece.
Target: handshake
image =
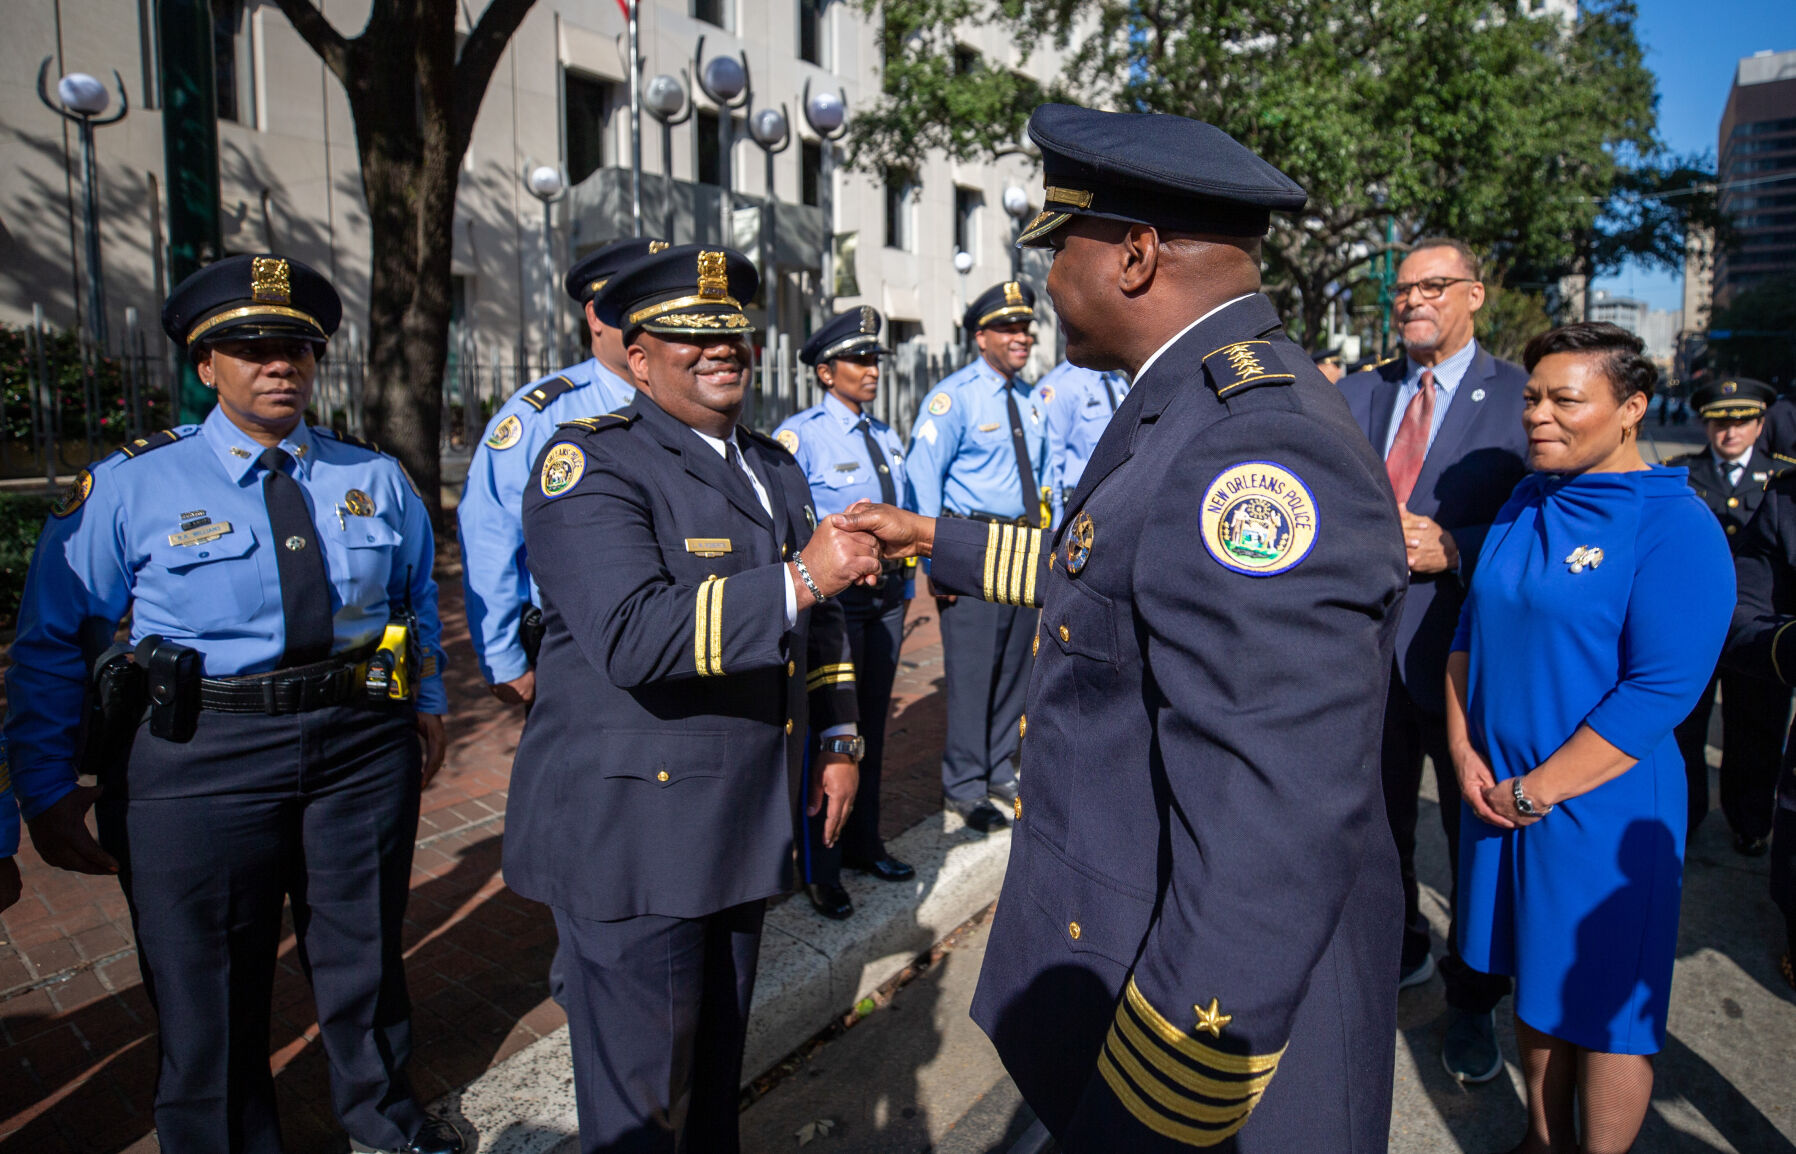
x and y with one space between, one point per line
851 548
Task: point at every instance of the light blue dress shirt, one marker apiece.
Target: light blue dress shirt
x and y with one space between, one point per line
1447 376
826 440
1079 410
113 553
495 573
961 455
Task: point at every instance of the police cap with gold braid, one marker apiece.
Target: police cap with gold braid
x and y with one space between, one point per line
690 290
1733 399
1002 304
589 274
1151 168
854 333
252 297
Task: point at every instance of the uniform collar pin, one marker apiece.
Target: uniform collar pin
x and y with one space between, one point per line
1477 395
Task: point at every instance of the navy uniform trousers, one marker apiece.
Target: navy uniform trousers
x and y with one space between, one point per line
1754 713
211 836
875 623
986 660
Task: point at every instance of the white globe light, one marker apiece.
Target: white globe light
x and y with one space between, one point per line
724 77
768 126
82 93
545 180
826 111
1016 201
963 261
664 95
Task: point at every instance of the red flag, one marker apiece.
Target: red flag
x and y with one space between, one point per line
624 6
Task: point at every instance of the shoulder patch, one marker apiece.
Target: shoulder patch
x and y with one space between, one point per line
508 433
75 495
1244 365
1258 518
939 404
562 469
788 441
144 444
595 424
1047 393
538 396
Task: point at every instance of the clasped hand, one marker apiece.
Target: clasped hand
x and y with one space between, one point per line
837 558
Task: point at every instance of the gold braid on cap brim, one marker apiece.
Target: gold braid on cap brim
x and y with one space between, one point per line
248 311
1732 411
859 343
640 316
1008 312
696 324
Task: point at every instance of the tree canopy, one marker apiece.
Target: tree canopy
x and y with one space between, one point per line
1530 137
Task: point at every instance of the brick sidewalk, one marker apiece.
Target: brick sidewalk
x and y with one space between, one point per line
77 1039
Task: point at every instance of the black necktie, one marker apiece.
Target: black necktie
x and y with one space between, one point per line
299 558
1025 472
888 492
1109 391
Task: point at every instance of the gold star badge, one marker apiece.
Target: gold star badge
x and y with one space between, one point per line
1212 1018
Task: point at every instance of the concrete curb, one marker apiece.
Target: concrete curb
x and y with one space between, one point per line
811 971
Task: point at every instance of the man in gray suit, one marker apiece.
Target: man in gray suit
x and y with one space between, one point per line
1447 418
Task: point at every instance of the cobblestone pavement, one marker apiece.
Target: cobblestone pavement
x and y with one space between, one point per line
77 1038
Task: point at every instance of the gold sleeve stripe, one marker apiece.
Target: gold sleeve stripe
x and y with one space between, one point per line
838 667
700 651
1034 552
1179 1042
991 560
1006 551
1156 1121
826 682
1170 1099
1124 1030
717 627
707 628
1022 564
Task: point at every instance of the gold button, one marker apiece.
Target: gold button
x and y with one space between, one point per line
1016 807
1022 726
1732 529
662 776
791 668
1065 633
1733 502
783 549
788 727
1073 929
1035 647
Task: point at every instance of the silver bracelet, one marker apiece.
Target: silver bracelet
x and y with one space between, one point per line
805 576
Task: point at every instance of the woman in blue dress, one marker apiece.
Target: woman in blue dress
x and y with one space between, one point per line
1598 607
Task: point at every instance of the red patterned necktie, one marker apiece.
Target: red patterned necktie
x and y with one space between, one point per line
1410 446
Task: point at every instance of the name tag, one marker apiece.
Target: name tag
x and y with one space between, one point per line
200 535
848 466
988 428
708 546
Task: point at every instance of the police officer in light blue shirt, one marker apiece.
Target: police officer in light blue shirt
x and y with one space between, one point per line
848 456
284 619
504 615
1080 403
979 449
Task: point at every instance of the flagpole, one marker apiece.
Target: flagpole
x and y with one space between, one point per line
630 13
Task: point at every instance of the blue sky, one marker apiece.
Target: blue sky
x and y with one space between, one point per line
1692 47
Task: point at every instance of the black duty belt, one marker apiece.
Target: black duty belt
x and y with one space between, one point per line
301 689
988 518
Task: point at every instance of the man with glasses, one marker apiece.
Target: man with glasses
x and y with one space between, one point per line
1447 417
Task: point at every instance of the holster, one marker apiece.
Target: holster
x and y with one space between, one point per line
113 709
530 632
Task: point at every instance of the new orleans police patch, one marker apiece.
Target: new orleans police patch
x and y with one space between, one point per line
788 441
75 495
509 432
940 403
562 469
1258 518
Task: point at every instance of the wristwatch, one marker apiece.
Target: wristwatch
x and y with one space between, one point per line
854 747
1524 806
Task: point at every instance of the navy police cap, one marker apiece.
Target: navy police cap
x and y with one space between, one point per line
249 297
854 333
688 290
1732 399
1002 304
590 272
1151 168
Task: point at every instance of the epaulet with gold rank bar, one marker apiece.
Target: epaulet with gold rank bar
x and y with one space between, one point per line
1784 464
538 397
141 445
1244 365
595 424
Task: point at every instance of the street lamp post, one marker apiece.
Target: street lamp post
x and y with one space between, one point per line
773 132
827 114
1016 203
725 80
665 98
83 99
1387 269
635 118
963 264
547 184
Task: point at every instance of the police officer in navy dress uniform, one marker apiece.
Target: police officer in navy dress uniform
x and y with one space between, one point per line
1197 943
850 455
979 450
284 620
1730 474
504 620
658 781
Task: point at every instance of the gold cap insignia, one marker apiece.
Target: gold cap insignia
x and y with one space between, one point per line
869 320
270 281
657 246
713 275
1728 387
1077 197
1013 293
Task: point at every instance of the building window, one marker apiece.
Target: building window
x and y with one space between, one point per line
966 60
967 203
903 333
230 62
588 109
811 173
716 12
810 31
901 186
708 164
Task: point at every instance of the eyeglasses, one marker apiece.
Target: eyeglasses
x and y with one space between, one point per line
1430 289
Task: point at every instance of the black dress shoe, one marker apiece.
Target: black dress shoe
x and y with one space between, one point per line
982 817
831 900
886 869
1750 846
439 1136
1005 793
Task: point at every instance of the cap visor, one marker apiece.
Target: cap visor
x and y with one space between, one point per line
1043 224
1731 412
